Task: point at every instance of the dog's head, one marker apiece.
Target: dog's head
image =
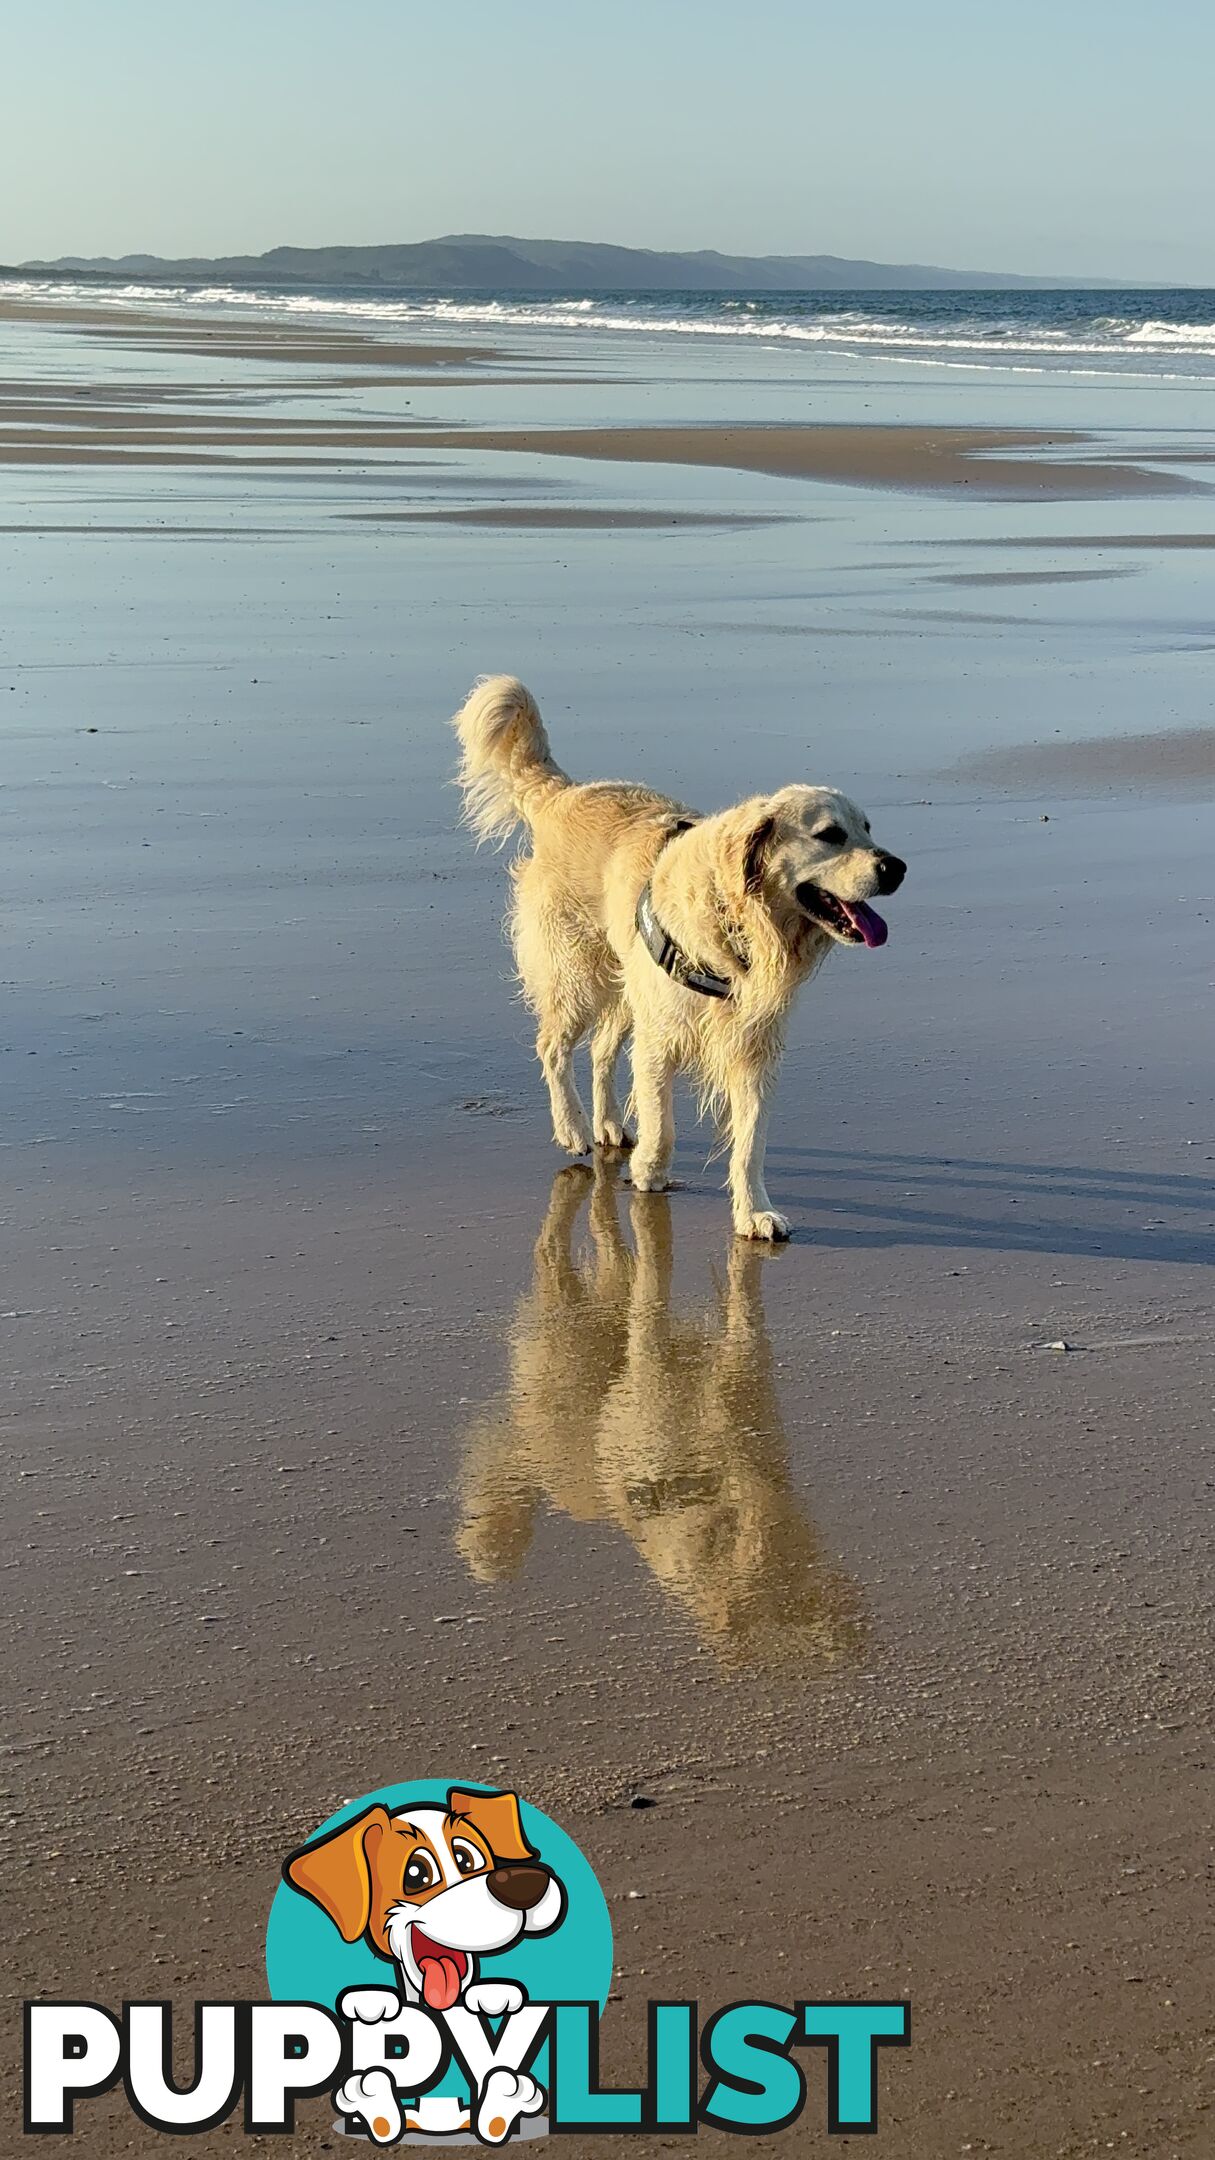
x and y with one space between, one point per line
810 854
432 1887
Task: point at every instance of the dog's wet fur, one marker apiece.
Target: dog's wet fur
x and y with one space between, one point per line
757 895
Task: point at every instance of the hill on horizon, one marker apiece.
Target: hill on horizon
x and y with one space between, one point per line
484 262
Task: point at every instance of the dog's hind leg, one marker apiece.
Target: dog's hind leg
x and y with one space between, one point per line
607 1117
654 1100
754 1214
557 962
559 1035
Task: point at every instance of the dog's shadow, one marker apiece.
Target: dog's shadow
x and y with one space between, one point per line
861 1197
661 1424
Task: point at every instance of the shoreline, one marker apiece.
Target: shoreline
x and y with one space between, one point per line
143 325
993 463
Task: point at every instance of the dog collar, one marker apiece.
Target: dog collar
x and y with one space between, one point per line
664 951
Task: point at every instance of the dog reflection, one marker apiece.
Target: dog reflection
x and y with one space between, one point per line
667 1426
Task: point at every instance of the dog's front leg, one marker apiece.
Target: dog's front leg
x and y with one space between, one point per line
754 1214
654 1100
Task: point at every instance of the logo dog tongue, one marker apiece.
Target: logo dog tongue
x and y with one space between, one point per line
866 920
442 1971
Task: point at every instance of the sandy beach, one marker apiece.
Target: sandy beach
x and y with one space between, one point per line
350 1435
70 428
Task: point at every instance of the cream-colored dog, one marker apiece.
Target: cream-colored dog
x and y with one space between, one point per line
633 914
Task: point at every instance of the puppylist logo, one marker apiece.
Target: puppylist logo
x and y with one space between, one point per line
438 1959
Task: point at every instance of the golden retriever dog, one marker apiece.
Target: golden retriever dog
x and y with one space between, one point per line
633 915
663 1425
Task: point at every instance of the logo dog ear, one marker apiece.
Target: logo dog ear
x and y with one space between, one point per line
336 1871
497 1817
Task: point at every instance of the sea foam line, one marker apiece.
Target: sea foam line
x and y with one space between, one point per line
847 333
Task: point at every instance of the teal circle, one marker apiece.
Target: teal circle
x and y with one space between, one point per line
307 1961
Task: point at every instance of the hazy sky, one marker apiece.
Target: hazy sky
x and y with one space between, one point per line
1036 135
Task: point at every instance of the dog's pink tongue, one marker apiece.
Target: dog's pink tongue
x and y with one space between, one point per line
440 1982
867 921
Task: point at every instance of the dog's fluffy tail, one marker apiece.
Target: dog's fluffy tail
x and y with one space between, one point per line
506 765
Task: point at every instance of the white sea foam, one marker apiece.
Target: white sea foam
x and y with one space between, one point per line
1199 335
1004 340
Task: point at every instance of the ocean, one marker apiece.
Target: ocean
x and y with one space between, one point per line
1153 334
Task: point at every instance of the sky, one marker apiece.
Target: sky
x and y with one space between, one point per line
1044 136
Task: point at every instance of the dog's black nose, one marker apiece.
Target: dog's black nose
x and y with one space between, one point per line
890 873
518 1885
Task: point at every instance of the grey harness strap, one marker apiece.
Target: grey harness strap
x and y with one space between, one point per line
664 951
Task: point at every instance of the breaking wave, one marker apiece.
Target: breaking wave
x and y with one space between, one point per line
1035 330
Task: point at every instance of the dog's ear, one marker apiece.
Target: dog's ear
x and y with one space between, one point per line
336 1871
755 849
496 1816
745 841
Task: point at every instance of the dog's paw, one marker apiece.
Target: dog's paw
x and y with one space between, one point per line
373 2096
369 2006
505 2096
647 1177
613 1133
494 1998
573 1138
765 1223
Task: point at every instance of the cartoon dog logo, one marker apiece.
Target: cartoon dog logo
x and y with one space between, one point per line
431 1890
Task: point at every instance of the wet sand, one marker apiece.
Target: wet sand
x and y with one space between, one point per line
529 518
349 1438
1092 543
875 456
1170 761
86 427
161 330
964 578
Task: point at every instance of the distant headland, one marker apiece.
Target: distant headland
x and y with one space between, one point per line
479 262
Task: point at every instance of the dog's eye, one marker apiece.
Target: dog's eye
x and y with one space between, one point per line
467 1858
834 835
421 1872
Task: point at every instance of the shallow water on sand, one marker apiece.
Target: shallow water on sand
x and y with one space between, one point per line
328 1391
